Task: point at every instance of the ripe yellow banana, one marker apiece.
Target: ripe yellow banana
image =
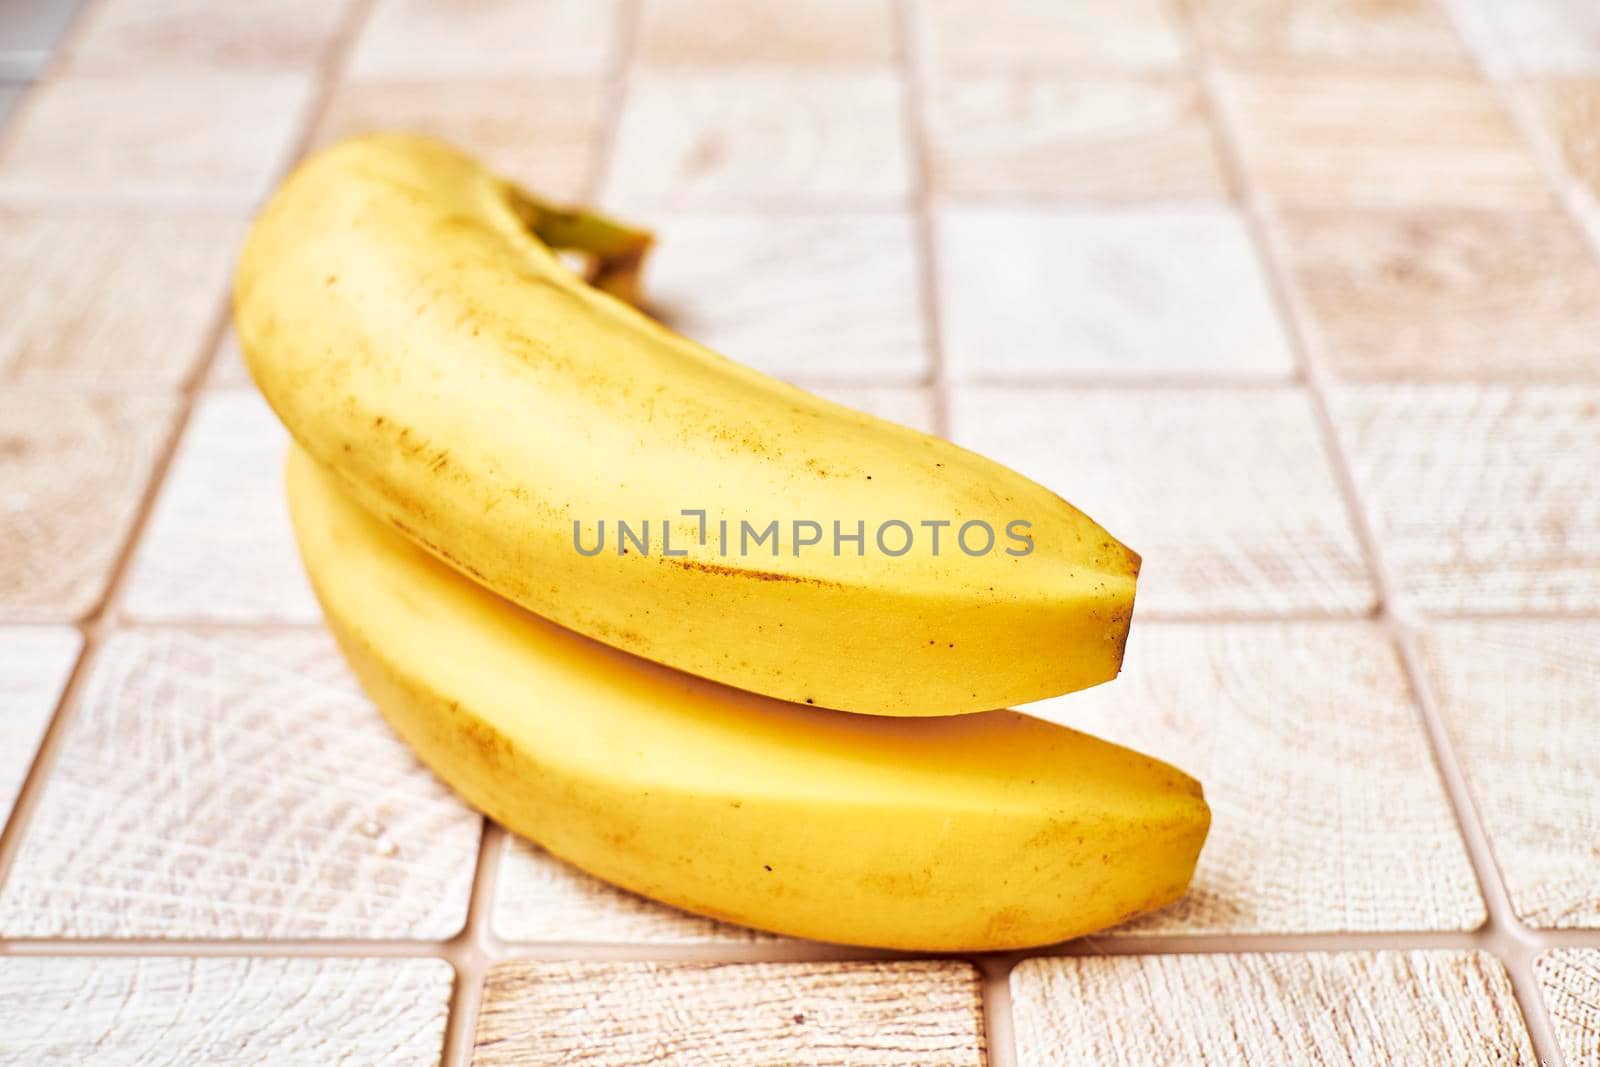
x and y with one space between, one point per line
989 831
403 312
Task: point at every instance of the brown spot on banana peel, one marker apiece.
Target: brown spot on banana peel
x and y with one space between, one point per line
740 572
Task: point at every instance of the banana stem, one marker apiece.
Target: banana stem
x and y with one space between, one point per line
615 250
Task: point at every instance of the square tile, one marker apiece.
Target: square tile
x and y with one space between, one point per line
925 1012
697 140
1447 295
1570 108
1030 293
1569 981
1391 140
1228 494
237 785
1019 35
831 297
909 406
798 33
1109 138
1485 498
133 37
218 546
1400 34
35 664
1314 723
167 1009
127 299
1421 1008
218 139
73 472
539 898
485 38
1519 699
543 133
1542 36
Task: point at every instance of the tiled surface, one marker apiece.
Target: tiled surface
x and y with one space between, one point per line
1519 700
74 469
173 1010
1297 297
1228 494
236 785
1570 983
1486 499
1315 724
1387 1007
1035 294
762 1014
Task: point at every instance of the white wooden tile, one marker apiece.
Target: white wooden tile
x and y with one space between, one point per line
1114 138
1228 494
1025 35
486 38
1404 1008
797 33
922 1012
818 296
237 785
35 663
227 367
1569 980
1485 498
1393 34
1519 701
134 37
908 405
1542 36
218 546
1570 110
539 898
542 132
73 471
216 140
1039 293
1327 813
761 138
114 1012
126 299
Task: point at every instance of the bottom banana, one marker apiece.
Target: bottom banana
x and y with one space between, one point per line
987 831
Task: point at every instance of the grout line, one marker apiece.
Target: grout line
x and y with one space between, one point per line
1501 934
999 1025
626 46
470 955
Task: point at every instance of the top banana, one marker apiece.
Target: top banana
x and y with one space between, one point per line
403 312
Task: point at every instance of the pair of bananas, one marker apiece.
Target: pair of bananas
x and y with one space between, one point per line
470 418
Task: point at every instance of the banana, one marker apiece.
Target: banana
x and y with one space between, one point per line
988 831
403 312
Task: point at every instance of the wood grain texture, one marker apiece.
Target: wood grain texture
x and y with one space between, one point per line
539 898
124 300
1499 296
1228 493
1397 34
768 292
760 139
167 1010
73 470
1542 36
435 40
1570 109
1485 498
1018 35
214 140
1519 701
1443 141
1327 813
1112 138
926 1013
134 37
218 546
1030 292
35 663
1403 1008
236 785
543 132
800 33
1569 981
